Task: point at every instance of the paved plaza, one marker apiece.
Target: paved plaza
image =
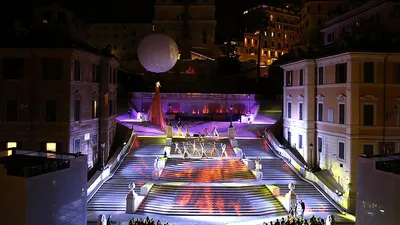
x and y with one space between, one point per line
208 190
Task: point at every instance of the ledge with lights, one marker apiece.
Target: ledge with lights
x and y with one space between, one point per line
336 197
108 171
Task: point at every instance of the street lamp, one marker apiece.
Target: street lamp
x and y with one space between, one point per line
231 109
311 148
248 104
142 102
103 146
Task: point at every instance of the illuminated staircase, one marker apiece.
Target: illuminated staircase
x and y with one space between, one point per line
111 195
314 200
206 171
212 200
277 171
135 169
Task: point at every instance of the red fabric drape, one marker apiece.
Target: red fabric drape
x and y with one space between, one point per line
156 113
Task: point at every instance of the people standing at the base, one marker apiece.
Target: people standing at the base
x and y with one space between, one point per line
303 207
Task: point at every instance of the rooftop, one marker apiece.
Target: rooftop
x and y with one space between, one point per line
40 40
358 12
29 163
285 9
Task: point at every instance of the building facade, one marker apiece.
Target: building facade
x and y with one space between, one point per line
54 19
341 106
313 15
61 100
123 39
278 36
169 18
52 191
373 20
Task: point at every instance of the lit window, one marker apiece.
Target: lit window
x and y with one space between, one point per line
152 28
44 21
51 146
265 33
272 34
11 145
285 36
271 17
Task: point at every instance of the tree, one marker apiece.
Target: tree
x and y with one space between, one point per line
229 50
228 63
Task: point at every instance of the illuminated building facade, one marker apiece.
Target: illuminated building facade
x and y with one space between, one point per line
169 19
313 15
57 95
373 19
344 105
123 38
278 37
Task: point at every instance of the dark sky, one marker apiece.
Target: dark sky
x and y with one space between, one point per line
228 12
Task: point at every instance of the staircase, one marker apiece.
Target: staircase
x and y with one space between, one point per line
135 169
277 171
314 200
254 148
206 171
111 196
211 200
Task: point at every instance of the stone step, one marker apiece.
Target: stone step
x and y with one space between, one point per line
135 168
277 169
111 197
255 148
211 200
206 170
312 198
148 146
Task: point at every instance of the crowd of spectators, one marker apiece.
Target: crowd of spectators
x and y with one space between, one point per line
290 220
146 221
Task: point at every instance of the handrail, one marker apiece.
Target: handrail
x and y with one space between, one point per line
300 172
101 177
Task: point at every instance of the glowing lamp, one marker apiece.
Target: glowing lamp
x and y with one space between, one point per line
158 53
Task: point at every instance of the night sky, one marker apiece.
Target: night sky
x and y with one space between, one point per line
227 13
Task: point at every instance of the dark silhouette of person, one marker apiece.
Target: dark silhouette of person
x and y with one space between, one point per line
303 207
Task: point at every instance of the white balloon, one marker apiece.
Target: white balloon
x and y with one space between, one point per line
158 53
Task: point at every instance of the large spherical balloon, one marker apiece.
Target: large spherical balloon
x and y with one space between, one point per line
158 53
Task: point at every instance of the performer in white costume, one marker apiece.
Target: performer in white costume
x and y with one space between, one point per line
203 153
187 132
214 150
177 149
223 154
195 148
185 152
215 132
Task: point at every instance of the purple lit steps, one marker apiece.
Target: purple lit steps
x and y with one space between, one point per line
111 197
206 171
314 200
211 200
